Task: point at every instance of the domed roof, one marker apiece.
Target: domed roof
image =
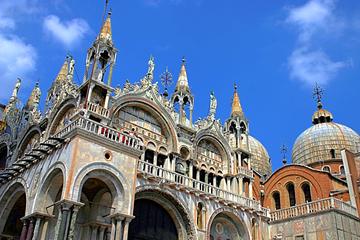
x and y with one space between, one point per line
260 160
323 142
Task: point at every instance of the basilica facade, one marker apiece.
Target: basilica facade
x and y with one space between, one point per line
105 163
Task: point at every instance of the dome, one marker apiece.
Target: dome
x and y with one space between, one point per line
260 160
323 142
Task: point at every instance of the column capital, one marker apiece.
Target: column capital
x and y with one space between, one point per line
67 204
121 216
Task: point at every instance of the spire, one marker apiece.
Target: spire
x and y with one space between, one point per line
34 99
105 32
236 109
64 70
182 83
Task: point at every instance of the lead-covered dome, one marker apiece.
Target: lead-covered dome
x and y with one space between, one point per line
260 160
324 141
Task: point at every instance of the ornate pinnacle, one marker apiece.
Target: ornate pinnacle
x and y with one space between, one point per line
283 150
317 94
166 80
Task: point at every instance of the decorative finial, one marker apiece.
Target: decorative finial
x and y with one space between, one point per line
283 150
183 60
317 94
235 87
166 80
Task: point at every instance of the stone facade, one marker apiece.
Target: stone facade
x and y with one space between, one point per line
129 163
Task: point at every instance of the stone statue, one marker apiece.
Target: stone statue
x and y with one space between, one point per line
151 66
36 95
71 66
16 89
213 105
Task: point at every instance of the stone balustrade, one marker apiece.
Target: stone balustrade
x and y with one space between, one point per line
199 187
97 109
102 131
245 172
42 149
313 207
145 132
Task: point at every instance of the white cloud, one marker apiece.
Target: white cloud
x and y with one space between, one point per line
69 33
312 67
17 59
307 63
15 9
311 17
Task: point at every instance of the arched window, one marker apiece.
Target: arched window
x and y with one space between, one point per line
307 193
326 168
276 198
291 192
332 153
342 170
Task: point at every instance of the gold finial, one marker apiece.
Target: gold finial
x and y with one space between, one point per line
236 109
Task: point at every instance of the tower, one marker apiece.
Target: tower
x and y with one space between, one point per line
182 98
96 87
236 129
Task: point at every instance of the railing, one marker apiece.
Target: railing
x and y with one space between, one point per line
95 108
245 171
192 184
143 131
313 207
102 131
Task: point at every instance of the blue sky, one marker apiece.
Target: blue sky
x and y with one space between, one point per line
274 50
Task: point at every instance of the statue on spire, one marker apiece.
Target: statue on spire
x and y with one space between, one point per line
147 80
213 106
16 90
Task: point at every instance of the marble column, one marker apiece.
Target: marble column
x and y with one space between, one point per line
102 230
113 228
107 100
24 230
127 221
167 163
250 189
94 229
30 231
119 229
75 212
241 184
65 209
191 170
228 181
155 158
37 228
